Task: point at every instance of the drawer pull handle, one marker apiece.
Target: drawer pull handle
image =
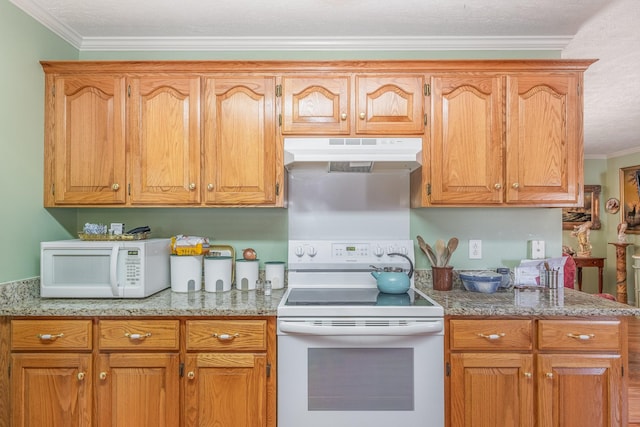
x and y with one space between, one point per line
137 337
103 376
80 376
50 337
191 375
582 337
549 375
528 375
226 337
492 337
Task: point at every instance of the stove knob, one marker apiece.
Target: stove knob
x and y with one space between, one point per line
299 251
403 250
378 251
391 249
312 251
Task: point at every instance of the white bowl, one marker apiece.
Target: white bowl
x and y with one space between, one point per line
486 282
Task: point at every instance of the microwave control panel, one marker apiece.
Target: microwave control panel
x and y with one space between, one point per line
132 266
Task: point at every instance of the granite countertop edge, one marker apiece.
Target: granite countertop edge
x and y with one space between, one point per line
22 299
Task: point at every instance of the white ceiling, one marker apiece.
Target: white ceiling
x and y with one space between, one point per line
608 30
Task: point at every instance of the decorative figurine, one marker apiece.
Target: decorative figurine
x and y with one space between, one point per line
622 228
582 232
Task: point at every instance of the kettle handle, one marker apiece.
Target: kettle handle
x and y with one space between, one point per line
408 259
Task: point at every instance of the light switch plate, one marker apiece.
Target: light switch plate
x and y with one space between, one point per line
536 249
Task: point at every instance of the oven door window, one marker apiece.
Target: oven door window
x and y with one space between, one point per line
360 379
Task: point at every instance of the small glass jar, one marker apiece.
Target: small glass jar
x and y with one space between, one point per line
259 287
505 282
267 288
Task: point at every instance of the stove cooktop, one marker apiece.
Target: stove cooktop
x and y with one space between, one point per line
356 302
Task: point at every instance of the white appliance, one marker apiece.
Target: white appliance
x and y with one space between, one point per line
104 269
353 154
349 355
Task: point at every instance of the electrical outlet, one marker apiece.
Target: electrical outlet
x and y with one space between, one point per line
475 249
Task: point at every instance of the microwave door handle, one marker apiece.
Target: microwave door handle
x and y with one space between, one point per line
113 271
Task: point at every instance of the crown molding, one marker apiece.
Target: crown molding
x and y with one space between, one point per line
321 43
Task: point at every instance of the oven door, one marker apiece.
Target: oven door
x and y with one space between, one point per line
353 374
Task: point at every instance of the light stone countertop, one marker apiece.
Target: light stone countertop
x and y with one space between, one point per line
22 299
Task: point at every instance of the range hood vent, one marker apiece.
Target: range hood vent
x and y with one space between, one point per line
353 154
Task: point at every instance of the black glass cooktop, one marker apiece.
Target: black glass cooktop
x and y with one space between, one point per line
353 297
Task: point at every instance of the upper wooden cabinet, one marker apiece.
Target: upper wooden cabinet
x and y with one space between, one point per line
316 105
86 130
504 140
382 104
164 136
240 141
210 133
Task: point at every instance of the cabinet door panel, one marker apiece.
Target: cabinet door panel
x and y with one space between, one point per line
89 140
576 390
315 105
226 390
139 390
544 139
164 135
240 141
389 104
466 155
492 389
51 390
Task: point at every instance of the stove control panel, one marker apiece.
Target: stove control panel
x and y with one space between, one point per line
348 252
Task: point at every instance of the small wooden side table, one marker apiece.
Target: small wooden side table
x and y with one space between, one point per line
589 262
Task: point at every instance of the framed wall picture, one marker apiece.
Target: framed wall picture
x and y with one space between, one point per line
630 198
589 211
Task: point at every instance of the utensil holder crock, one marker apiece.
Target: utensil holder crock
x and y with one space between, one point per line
442 278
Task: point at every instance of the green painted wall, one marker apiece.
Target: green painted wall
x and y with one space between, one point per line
23 220
504 232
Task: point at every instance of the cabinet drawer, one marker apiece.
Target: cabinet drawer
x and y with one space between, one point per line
579 335
216 335
49 335
490 334
139 334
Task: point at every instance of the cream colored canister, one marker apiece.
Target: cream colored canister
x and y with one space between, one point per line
217 273
274 271
186 273
246 274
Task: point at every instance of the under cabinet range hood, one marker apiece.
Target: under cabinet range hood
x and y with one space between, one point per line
353 154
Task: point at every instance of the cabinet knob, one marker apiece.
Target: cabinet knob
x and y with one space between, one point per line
492 337
192 186
80 376
226 337
362 116
528 375
582 337
210 187
137 337
343 116
498 186
515 185
191 375
115 187
50 337
549 375
103 376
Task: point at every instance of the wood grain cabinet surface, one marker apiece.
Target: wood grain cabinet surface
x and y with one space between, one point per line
544 373
142 372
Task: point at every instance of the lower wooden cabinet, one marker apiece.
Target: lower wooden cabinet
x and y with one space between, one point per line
142 373
552 373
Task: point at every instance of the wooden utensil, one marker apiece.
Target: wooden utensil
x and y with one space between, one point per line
440 255
428 251
452 245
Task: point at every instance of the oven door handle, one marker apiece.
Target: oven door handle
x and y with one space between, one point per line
413 328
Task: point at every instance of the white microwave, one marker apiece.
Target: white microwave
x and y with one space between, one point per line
104 269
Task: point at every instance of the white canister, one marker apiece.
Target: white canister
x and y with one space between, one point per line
217 273
274 271
246 274
186 273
